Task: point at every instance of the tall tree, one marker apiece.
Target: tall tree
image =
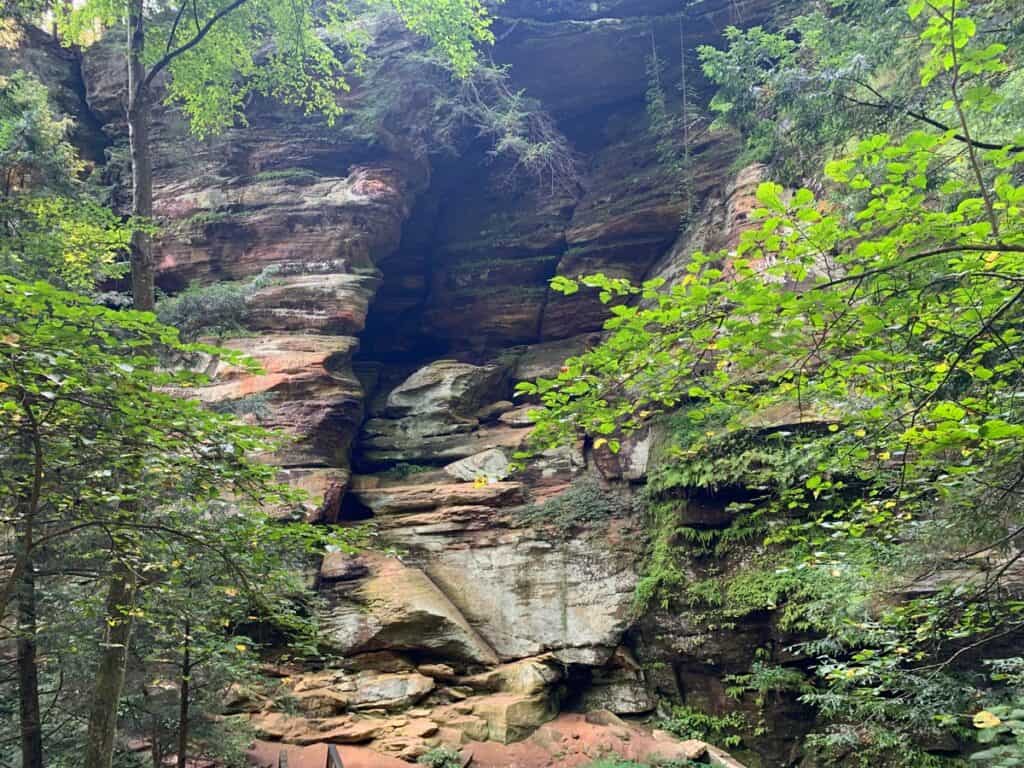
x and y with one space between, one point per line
218 52
100 464
50 227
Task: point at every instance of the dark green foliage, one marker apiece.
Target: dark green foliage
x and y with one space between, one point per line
664 575
101 467
34 151
52 225
200 221
289 176
690 723
310 51
852 372
1001 725
218 309
584 503
520 135
403 470
441 757
767 682
803 87
695 460
701 455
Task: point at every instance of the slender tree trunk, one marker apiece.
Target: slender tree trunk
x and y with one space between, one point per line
183 704
156 753
142 165
13 579
28 672
99 747
685 90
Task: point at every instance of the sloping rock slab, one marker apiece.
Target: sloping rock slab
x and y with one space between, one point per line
265 754
528 593
569 741
413 498
398 608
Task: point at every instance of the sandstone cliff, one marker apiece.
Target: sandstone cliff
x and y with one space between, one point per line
406 293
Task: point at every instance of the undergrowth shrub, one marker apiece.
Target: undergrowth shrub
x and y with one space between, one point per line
298 175
219 309
690 723
441 757
585 502
199 221
403 470
257 405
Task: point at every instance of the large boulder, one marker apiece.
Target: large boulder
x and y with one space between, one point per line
447 388
492 465
399 608
512 717
431 417
329 693
528 592
526 676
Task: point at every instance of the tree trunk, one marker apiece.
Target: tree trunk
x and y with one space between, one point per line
183 694
156 752
28 673
11 583
25 584
142 166
99 747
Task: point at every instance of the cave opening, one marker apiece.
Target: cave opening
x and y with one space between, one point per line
578 680
352 510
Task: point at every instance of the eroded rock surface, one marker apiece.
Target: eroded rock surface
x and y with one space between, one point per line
401 295
396 607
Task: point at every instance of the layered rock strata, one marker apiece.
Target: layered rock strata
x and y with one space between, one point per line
401 295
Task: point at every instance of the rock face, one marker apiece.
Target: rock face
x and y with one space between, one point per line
524 591
570 740
399 608
431 415
29 49
401 294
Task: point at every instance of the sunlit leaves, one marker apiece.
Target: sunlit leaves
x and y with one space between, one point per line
300 53
874 331
50 226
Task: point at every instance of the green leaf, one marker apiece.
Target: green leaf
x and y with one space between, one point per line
947 411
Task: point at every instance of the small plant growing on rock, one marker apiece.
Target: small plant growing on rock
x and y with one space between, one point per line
583 503
286 175
403 470
441 757
256 405
199 221
689 723
219 309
